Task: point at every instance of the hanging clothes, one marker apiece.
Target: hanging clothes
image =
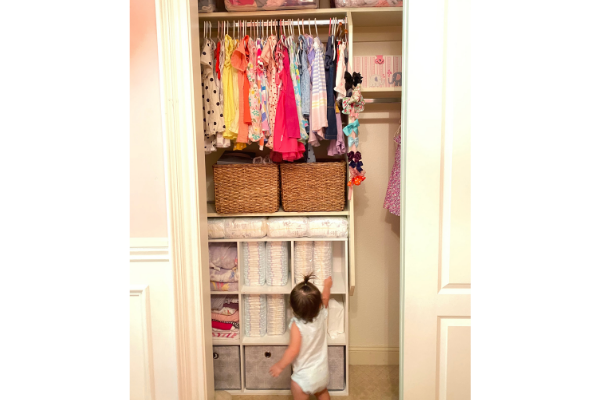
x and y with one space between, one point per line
392 196
213 123
239 61
273 96
254 131
229 92
263 94
340 71
330 64
222 142
319 93
287 130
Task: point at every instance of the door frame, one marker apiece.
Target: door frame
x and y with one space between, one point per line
180 79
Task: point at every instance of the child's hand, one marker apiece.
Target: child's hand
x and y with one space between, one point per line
275 370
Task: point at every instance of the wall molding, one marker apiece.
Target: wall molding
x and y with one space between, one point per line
142 292
149 249
360 355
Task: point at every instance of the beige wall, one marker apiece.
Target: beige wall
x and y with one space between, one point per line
148 209
374 316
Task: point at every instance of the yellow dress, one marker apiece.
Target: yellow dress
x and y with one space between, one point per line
230 90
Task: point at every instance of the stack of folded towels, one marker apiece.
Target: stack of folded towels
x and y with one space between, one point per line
225 316
277 263
276 314
255 261
255 313
313 258
223 262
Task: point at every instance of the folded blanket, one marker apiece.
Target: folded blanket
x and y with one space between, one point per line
218 301
224 286
216 228
235 317
224 275
225 325
222 255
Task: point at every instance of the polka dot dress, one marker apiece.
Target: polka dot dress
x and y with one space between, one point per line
213 117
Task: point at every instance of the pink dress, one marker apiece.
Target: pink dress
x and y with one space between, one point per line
287 128
392 197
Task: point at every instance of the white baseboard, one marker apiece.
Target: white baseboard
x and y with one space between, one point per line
374 355
148 249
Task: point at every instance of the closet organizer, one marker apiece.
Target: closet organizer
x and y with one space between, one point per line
243 354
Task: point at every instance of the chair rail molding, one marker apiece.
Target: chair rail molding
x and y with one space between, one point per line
180 78
149 249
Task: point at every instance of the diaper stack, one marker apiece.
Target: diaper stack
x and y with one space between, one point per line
255 312
254 263
276 321
277 263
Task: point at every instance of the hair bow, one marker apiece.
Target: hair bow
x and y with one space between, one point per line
352 156
356 179
352 126
356 164
352 141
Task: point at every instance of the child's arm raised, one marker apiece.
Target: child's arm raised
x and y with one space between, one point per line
327 283
290 354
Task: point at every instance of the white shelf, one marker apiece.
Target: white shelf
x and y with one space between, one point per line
284 340
212 213
266 289
369 90
222 292
225 341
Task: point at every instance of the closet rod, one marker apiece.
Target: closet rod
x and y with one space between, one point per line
286 22
383 100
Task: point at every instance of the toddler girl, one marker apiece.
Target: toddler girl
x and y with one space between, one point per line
308 341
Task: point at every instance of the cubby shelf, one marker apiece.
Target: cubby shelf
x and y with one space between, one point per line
284 340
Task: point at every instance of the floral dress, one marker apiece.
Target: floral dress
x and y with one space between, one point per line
255 131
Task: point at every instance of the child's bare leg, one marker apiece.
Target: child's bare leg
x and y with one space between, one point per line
323 395
297 392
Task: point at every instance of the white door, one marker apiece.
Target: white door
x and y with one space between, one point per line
437 208
153 353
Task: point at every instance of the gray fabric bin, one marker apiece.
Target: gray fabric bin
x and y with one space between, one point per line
257 362
226 364
337 367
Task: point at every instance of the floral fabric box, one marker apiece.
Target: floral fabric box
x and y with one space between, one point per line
379 71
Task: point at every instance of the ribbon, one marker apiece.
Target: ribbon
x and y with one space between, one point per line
351 127
356 179
352 141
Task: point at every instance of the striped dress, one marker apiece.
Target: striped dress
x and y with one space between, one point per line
319 90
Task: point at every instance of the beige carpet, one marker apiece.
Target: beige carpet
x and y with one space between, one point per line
367 382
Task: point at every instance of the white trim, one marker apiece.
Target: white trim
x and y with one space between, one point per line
180 80
149 249
360 355
142 292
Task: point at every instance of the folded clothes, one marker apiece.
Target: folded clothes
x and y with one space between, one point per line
225 335
224 286
235 317
218 301
225 311
222 255
216 228
224 275
225 325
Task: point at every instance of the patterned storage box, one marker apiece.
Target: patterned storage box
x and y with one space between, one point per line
379 71
337 367
257 362
226 364
269 5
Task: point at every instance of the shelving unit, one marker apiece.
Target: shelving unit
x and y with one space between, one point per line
371 31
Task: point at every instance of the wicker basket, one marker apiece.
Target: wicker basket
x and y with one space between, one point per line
246 188
313 187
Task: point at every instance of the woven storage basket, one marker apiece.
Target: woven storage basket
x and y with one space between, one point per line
246 188
310 187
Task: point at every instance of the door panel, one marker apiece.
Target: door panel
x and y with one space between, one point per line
437 208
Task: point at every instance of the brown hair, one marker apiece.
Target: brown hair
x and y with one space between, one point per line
305 299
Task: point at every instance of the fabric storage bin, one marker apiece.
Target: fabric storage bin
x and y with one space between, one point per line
337 367
246 188
226 365
257 362
368 3
319 186
206 5
269 5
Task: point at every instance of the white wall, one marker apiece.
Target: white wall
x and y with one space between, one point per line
148 216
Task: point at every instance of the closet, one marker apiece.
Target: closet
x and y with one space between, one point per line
241 361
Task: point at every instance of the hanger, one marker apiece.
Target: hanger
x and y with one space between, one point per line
316 29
